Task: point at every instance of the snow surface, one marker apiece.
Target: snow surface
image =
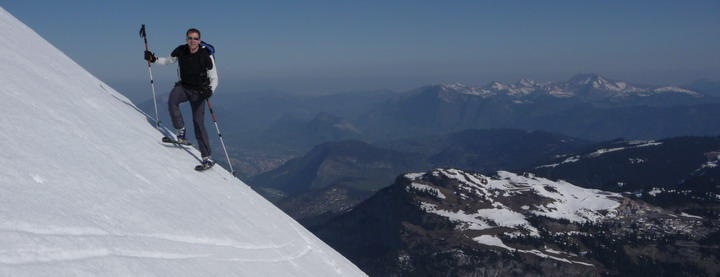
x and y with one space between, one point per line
559 200
573 203
88 189
484 218
570 202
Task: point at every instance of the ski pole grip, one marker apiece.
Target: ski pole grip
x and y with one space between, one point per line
144 36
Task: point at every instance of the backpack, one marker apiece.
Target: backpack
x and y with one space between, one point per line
209 47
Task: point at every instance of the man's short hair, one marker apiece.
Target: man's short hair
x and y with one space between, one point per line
193 30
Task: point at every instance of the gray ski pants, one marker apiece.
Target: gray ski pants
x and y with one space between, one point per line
178 95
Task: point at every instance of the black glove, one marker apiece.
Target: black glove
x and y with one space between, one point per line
150 56
206 93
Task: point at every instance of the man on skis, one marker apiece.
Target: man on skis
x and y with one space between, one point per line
198 80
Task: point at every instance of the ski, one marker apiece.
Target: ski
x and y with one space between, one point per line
202 168
170 140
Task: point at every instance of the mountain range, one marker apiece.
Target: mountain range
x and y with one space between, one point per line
266 129
657 213
368 168
348 163
588 87
455 223
622 110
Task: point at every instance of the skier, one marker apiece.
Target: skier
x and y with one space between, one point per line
198 80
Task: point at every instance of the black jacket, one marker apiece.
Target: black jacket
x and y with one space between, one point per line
193 67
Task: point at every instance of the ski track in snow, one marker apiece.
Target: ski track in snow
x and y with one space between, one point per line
312 247
75 243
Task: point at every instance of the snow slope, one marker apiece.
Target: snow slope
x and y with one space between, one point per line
87 188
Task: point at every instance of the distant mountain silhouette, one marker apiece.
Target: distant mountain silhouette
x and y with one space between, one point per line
349 163
622 165
528 104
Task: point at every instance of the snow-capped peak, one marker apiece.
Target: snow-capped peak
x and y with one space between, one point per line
605 86
591 86
498 86
526 83
463 89
454 86
584 79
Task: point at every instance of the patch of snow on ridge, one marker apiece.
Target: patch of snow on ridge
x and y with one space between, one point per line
413 176
495 241
648 144
492 241
710 164
499 86
636 160
571 159
458 87
655 191
634 144
423 187
484 219
560 93
605 151
678 90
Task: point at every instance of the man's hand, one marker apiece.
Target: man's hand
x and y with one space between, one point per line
206 93
150 57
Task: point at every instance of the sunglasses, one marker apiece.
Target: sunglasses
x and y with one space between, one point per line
192 38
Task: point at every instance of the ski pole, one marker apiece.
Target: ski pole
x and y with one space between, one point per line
152 83
221 138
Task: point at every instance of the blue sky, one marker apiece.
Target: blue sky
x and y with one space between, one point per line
339 46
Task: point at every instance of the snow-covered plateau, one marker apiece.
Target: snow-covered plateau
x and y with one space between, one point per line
561 200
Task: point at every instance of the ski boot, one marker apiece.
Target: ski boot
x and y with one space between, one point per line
206 164
181 137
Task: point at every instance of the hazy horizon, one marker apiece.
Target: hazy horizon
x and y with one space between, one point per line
331 47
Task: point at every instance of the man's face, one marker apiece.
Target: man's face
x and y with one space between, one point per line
193 40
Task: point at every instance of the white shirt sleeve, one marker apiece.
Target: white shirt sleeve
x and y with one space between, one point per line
212 75
166 60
